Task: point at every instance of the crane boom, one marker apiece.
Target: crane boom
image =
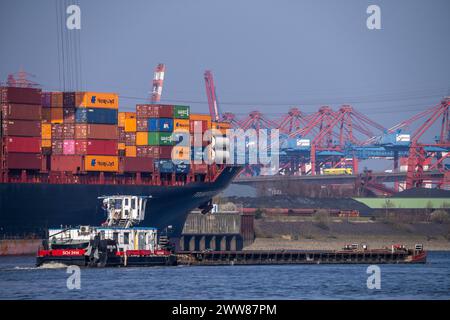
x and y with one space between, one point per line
158 82
211 94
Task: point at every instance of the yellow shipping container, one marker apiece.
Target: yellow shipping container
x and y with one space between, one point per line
121 146
181 153
46 143
97 100
57 115
141 138
101 163
130 125
121 119
46 131
180 125
130 151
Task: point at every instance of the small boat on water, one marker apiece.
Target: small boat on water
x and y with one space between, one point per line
118 242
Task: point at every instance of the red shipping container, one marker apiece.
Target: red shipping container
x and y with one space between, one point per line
57 131
69 115
46 115
69 131
154 111
96 131
121 133
30 161
160 152
142 125
22 128
134 164
23 144
200 168
20 95
96 147
66 163
21 112
57 100
130 138
57 147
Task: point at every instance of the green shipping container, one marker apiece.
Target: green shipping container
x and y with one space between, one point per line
181 112
160 139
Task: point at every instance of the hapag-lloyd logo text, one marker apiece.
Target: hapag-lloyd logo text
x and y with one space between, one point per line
254 147
95 100
95 162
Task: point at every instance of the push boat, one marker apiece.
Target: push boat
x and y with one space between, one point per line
118 242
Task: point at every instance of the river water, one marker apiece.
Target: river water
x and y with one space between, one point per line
19 279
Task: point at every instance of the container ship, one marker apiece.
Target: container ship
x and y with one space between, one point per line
60 151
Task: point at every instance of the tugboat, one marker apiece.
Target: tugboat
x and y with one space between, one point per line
118 242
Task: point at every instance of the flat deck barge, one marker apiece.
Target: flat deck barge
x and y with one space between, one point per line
269 257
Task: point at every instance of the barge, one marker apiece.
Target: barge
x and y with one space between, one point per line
279 257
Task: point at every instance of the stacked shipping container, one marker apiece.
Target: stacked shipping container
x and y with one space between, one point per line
84 131
132 162
21 114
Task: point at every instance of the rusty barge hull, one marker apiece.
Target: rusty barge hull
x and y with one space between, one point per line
214 258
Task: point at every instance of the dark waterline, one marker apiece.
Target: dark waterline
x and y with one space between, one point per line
19 279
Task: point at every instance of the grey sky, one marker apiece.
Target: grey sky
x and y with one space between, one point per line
265 55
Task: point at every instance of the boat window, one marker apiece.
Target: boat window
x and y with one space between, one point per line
126 201
118 204
126 238
116 237
133 203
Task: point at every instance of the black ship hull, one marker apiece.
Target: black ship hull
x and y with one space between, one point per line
27 208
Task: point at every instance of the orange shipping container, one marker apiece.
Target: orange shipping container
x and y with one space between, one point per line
46 143
196 116
124 116
97 100
57 115
56 100
221 126
141 138
130 125
101 163
130 151
46 131
180 125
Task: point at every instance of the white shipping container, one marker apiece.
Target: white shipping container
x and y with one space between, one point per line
403 138
303 142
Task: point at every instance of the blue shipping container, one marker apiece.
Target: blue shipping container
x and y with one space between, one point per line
96 116
160 125
165 166
182 167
